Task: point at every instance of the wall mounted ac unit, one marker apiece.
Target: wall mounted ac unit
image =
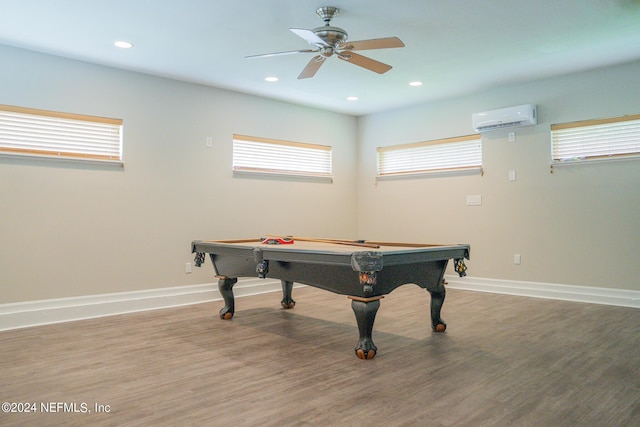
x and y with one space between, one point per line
522 115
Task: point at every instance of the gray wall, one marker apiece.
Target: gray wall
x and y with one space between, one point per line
74 229
579 225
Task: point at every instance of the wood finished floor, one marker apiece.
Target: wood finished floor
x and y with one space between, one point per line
503 361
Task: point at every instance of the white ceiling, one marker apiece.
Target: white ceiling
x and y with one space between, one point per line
453 46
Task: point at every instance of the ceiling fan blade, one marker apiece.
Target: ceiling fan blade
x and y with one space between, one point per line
384 43
312 67
309 36
288 52
364 62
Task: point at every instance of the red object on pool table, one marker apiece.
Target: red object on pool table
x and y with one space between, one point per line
276 240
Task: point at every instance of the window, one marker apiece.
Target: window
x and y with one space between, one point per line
41 133
592 140
458 154
261 155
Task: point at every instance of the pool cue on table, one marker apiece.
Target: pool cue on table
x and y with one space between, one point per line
331 241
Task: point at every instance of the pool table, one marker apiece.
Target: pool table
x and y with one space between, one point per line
362 270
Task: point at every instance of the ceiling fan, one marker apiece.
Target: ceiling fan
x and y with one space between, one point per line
329 40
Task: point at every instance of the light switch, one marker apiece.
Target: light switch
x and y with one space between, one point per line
512 175
474 200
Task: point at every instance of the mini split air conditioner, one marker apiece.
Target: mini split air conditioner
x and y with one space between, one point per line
522 115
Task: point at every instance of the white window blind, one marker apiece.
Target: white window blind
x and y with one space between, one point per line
451 154
31 132
602 139
261 155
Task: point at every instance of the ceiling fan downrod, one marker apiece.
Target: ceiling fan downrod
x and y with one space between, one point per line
332 36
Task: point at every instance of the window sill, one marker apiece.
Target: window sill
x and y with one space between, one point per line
62 159
281 176
431 174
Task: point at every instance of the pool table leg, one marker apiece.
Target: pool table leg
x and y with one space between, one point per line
365 310
225 286
287 301
437 299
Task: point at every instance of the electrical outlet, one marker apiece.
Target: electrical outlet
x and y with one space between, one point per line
512 175
209 142
517 259
512 137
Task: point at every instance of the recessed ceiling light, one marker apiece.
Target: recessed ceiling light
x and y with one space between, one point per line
352 98
271 79
416 83
123 44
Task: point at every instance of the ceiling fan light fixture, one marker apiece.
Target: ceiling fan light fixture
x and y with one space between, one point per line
415 83
271 79
352 98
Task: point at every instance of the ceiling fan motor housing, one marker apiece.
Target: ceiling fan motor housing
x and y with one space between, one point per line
331 35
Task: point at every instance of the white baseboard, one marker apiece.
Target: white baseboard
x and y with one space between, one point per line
44 312
588 294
